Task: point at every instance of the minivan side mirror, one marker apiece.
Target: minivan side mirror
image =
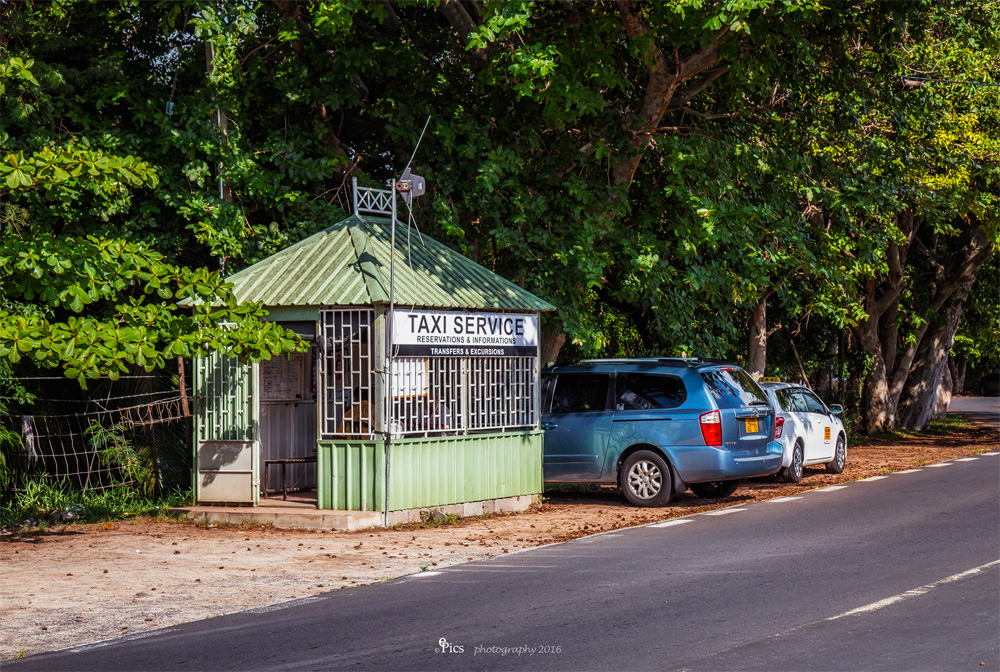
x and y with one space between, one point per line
836 409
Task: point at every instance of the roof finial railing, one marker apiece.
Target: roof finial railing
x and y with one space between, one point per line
373 201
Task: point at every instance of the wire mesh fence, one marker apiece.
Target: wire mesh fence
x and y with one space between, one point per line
133 433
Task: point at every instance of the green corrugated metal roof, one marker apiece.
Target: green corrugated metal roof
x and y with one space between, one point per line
347 264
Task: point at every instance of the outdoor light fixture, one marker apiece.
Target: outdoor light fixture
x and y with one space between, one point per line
410 186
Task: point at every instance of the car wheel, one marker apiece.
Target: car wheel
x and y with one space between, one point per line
836 465
645 479
793 472
715 489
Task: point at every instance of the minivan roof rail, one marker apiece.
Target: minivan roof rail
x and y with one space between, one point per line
665 361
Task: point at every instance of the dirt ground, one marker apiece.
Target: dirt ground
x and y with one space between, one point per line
66 586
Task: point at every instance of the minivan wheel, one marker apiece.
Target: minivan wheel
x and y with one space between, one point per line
793 472
645 479
715 489
836 465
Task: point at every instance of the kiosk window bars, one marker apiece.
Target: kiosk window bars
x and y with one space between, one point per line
458 395
346 377
435 395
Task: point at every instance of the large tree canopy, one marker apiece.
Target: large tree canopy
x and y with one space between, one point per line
691 176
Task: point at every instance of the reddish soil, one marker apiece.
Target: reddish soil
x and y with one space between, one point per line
65 586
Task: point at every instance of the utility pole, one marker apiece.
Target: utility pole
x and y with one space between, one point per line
221 122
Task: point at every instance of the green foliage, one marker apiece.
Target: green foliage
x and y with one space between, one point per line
85 264
37 497
10 441
780 178
115 450
120 306
978 340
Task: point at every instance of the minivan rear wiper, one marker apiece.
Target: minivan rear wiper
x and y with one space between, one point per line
758 402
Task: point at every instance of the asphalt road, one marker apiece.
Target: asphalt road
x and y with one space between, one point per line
901 572
984 410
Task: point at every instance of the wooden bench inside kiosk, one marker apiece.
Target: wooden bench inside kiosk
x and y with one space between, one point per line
284 462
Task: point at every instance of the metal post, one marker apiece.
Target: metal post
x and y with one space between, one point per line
388 351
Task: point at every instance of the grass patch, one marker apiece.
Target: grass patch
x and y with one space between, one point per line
950 424
429 519
45 501
938 428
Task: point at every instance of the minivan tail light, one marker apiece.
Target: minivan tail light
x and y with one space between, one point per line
779 424
711 428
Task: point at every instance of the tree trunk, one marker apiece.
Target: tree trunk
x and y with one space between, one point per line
757 357
663 84
958 366
943 397
920 396
882 296
182 385
877 411
551 345
464 24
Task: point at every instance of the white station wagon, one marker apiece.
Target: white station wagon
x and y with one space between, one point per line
809 432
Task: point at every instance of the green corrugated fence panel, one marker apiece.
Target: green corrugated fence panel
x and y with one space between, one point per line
324 482
429 471
451 470
352 475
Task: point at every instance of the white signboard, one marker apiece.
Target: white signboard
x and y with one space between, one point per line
428 333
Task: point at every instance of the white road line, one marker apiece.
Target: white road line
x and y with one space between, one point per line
939 464
922 590
907 471
671 523
969 459
872 478
830 488
993 453
777 500
721 512
417 575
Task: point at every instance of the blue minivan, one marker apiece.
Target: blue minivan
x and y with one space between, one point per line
656 427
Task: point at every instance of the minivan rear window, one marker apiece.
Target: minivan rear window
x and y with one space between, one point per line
732 387
644 391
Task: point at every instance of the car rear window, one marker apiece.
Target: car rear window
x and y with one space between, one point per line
580 393
790 400
732 387
643 391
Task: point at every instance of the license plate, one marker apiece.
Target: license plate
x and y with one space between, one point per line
826 434
752 426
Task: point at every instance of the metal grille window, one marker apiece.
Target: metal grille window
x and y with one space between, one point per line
452 395
502 392
224 396
346 384
426 396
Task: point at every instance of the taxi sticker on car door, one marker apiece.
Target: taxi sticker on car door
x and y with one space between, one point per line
826 434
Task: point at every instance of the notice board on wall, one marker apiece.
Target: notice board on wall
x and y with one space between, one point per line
409 377
284 379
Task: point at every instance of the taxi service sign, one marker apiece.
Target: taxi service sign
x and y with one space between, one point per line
428 333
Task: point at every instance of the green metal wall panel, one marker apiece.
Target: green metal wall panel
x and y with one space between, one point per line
451 470
427 472
351 475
